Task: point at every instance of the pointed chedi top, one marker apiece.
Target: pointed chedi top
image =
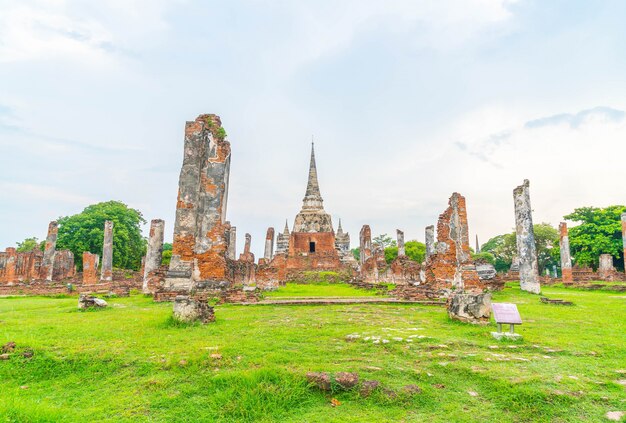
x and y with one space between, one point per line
312 199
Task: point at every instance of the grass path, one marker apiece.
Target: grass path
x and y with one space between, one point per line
129 362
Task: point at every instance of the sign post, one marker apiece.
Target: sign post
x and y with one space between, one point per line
506 314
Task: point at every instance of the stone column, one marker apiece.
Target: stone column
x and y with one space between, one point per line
155 251
526 248
47 266
10 271
200 247
246 247
566 259
231 252
624 237
90 268
605 268
269 245
430 240
365 243
107 252
400 236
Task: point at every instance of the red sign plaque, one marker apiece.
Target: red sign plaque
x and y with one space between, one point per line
506 313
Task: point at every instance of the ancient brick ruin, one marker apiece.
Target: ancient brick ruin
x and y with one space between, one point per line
53 271
205 263
451 266
154 255
526 247
50 265
566 260
106 273
200 230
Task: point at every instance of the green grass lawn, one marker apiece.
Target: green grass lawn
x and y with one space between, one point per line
129 362
320 290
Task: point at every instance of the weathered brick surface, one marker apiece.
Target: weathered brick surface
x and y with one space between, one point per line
154 255
201 233
451 266
107 252
63 267
25 267
566 260
525 236
47 266
90 268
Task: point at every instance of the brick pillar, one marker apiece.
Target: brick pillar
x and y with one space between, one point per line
566 260
47 266
624 237
526 248
246 247
107 252
605 267
269 245
365 243
400 236
430 240
10 273
231 252
155 251
90 268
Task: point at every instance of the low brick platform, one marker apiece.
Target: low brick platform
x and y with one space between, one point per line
334 301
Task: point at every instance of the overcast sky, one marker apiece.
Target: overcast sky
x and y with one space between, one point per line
408 101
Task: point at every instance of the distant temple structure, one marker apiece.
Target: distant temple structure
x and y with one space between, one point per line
313 244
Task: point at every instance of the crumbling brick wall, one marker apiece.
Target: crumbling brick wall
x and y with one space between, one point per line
200 230
451 266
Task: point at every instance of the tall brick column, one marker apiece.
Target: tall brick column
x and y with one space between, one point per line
107 252
269 245
10 271
451 266
566 259
47 266
231 252
624 237
400 236
605 267
365 243
154 254
90 268
200 231
525 236
430 240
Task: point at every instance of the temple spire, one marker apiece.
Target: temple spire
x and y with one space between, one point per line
286 230
339 228
313 198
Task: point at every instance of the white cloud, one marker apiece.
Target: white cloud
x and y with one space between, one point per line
326 28
89 34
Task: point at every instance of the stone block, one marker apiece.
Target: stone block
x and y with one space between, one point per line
470 308
188 309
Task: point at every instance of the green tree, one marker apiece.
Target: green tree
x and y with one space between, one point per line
414 250
85 232
504 248
167 254
599 232
29 244
384 241
484 256
356 252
